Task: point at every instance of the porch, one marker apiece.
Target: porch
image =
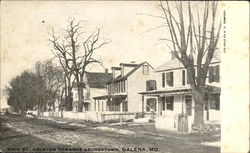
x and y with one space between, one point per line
174 107
111 103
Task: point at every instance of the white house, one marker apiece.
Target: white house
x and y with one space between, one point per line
124 87
172 97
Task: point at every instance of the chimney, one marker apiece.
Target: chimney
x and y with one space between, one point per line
106 71
116 71
172 56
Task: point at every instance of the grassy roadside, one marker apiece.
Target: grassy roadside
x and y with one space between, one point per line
13 141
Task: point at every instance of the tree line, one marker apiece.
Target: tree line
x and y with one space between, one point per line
36 88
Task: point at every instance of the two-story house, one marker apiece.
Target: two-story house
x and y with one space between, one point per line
95 86
124 87
173 97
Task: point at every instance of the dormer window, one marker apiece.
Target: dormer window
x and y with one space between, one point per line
145 70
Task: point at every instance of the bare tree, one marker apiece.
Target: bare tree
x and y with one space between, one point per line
193 38
75 55
52 75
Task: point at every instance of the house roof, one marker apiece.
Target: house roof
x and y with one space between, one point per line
175 64
129 64
120 78
171 64
97 79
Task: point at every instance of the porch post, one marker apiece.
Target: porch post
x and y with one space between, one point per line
98 105
107 105
95 105
182 107
142 105
102 105
157 105
208 106
121 106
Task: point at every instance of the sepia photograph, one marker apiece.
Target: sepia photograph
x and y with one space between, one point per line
124 76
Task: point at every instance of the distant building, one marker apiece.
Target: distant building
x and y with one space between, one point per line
95 85
123 89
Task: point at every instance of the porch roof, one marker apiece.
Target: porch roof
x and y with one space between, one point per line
87 101
170 91
116 96
178 90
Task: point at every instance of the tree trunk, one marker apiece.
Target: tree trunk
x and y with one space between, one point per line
38 111
69 100
80 99
53 107
199 99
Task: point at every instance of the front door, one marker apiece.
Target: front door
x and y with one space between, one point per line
188 101
151 105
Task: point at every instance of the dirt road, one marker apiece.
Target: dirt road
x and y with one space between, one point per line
43 135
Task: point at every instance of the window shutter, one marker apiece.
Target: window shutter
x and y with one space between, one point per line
155 86
163 102
172 101
217 73
163 80
183 77
147 85
217 102
211 73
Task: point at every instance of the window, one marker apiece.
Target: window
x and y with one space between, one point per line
163 80
145 70
188 101
217 73
125 106
150 85
214 74
183 77
170 79
123 86
119 87
211 74
170 103
215 101
163 103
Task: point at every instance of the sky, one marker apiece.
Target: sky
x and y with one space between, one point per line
24 35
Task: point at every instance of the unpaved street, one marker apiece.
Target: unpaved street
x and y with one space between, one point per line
50 135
